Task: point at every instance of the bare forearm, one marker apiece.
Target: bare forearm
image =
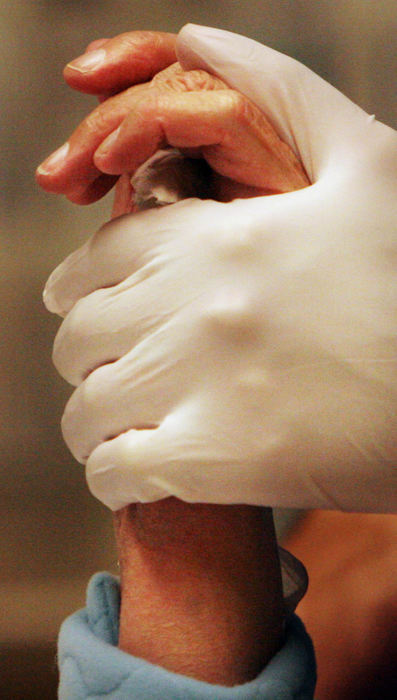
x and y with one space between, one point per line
201 588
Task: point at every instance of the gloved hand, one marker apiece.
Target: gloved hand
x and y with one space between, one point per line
245 352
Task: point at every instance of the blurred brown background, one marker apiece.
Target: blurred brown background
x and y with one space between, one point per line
53 534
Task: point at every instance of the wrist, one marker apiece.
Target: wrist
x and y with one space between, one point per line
201 588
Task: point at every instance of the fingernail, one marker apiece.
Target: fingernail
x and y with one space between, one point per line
54 160
108 143
88 62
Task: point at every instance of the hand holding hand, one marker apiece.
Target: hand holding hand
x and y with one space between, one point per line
191 110
245 352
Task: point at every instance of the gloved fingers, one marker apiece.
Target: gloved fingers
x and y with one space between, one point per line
310 115
229 131
125 469
125 245
111 65
182 457
204 448
123 395
168 460
104 325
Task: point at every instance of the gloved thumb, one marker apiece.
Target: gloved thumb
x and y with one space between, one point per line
320 124
126 469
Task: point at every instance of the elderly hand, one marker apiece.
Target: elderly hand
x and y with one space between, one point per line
107 67
245 352
221 126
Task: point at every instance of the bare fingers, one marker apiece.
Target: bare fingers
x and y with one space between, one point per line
70 170
111 65
222 125
107 67
186 109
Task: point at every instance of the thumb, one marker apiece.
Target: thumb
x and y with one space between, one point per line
125 469
316 120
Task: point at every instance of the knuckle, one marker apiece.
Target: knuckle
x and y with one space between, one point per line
83 411
69 424
201 80
232 312
176 79
96 121
167 74
133 39
70 345
74 327
100 121
91 392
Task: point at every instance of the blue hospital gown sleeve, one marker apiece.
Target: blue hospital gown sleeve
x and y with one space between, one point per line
92 666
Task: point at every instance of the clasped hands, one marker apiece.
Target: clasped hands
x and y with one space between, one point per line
236 351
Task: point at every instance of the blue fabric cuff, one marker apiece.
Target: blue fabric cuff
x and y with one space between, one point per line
91 665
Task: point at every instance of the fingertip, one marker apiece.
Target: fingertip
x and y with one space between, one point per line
105 156
94 191
112 65
50 301
194 40
185 53
191 30
82 198
41 177
48 172
81 73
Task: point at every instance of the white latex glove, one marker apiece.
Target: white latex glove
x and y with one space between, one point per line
245 352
